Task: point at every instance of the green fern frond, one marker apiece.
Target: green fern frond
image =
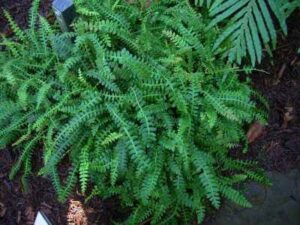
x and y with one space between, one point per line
235 196
221 107
67 135
84 167
26 173
147 128
42 95
176 39
208 179
69 185
249 26
25 158
15 125
33 14
151 180
16 29
112 137
136 151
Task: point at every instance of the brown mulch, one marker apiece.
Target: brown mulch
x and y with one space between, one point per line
277 146
18 207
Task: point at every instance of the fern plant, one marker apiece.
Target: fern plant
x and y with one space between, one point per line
135 102
248 25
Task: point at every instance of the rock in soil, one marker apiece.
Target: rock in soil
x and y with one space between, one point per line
276 205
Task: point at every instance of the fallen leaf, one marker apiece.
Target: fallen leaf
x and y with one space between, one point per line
30 215
19 217
288 116
2 209
46 208
280 74
255 131
46 205
294 61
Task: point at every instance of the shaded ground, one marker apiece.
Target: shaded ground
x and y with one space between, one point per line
277 149
18 207
276 205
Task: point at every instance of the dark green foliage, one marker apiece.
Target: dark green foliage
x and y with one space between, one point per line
137 103
247 25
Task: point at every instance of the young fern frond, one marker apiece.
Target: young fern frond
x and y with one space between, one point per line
112 137
84 167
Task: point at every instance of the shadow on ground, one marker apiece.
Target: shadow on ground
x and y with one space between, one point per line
277 205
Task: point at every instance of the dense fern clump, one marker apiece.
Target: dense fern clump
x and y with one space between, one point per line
137 103
249 25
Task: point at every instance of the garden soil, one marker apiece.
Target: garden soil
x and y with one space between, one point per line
275 146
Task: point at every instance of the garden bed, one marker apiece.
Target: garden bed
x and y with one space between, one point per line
276 148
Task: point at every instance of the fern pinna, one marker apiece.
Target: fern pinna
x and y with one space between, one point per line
135 100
